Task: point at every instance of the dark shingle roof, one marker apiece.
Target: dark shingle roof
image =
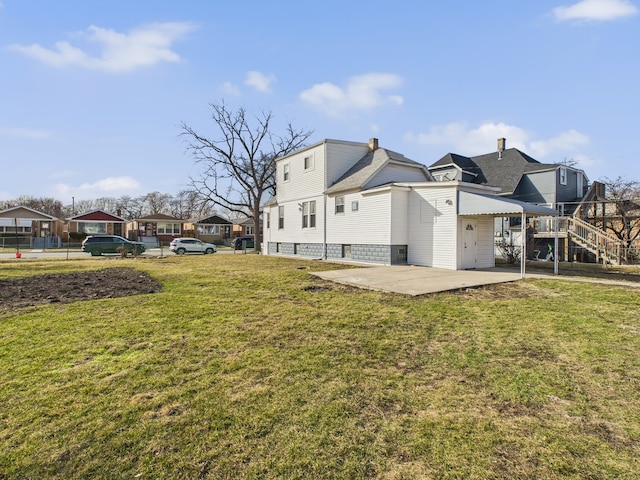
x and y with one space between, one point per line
213 220
505 172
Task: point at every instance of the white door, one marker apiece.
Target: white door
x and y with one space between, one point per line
469 239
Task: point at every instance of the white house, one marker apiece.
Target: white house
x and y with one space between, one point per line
349 200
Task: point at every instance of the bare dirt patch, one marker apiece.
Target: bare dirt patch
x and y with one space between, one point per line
72 287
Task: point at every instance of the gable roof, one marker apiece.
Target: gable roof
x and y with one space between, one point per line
25 213
159 217
368 166
504 172
213 220
97 216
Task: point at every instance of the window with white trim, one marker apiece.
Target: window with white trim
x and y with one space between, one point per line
249 229
308 162
285 172
563 175
354 206
169 228
281 217
309 214
339 205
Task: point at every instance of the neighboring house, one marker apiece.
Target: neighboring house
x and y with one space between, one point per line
156 229
348 200
518 176
29 227
244 228
213 229
97 222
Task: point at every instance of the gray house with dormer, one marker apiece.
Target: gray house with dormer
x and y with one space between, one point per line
518 176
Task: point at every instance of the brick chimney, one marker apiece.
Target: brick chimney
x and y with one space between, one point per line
373 144
502 145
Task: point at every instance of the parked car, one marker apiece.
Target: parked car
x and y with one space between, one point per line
99 244
181 246
238 242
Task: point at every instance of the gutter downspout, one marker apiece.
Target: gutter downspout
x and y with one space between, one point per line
324 228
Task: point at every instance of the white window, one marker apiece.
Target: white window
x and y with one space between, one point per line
209 229
563 175
92 227
309 214
249 229
308 162
169 228
281 216
268 220
354 206
339 205
285 172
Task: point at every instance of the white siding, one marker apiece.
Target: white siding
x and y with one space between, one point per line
433 232
370 224
302 183
399 217
485 245
485 255
343 155
293 231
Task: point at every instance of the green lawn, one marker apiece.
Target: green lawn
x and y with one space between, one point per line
248 367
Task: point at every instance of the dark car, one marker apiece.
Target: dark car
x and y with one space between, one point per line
99 244
240 243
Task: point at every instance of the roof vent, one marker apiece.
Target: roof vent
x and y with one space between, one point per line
502 144
373 144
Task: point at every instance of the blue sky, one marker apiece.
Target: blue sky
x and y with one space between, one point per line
92 93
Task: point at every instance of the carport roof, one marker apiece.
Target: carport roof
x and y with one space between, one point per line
472 203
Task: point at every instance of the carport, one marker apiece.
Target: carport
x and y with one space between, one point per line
480 204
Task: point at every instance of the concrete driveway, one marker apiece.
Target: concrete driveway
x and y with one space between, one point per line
412 280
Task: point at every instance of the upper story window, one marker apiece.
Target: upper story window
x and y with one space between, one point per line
563 175
268 218
285 172
308 162
354 206
339 204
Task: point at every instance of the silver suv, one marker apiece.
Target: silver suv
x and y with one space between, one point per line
191 245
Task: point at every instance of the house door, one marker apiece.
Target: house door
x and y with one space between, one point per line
469 239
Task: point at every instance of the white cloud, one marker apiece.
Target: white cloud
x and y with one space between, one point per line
595 10
461 139
260 81
118 52
566 141
110 186
29 133
229 88
363 92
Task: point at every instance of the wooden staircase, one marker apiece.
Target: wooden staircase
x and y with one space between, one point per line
607 248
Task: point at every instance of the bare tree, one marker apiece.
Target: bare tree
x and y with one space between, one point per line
131 208
238 164
50 206
157 202
622 211
187 204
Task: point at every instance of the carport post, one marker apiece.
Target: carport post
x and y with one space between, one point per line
523 236
555 247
